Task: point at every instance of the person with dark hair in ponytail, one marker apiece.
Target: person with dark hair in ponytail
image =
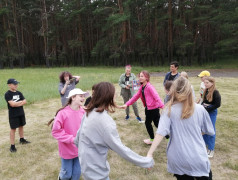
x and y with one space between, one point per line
66 124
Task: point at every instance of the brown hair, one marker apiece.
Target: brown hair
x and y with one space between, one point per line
102 98
146 74
63 74
68 103
168 85
93 87
181 91
211 90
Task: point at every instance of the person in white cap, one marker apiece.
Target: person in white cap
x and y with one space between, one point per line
66 124
202 75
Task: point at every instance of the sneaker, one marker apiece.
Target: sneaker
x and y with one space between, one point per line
127 117
139 119
13 149
210 154
148 141
24 141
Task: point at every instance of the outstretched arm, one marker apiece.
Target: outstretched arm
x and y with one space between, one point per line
158 138
113 141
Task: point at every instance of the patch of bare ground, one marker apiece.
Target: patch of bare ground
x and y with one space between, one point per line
214 72
40 160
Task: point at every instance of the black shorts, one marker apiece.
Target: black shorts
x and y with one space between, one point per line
16 122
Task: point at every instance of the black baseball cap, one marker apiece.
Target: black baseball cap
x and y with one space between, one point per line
12 81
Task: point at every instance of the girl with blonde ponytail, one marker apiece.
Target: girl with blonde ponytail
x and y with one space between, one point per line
185 122
182 92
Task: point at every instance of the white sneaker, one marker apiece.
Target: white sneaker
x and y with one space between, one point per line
148 141
210 153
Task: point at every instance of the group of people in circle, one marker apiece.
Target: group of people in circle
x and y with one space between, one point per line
86 131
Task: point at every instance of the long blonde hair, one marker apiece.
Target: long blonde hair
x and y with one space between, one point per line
181 91
210 90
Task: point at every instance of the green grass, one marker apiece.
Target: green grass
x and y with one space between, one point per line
39 160
41 83
38 84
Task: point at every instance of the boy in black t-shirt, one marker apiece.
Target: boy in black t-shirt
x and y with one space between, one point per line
15 101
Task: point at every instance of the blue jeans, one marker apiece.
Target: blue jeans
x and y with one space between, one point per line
210 140
70 169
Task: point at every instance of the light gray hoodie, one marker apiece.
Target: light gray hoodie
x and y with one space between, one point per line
98 134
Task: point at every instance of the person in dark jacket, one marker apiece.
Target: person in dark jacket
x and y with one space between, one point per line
211 101
173 74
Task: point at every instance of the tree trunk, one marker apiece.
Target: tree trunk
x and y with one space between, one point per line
170 32
22 63
123 28
45 33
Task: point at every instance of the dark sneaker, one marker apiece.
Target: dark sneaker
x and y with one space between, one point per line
127 117
13 149
24 141
139 119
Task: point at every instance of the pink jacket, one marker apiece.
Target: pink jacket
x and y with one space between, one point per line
66 125
152 98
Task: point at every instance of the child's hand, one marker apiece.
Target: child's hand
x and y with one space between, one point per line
150 157
67 82
127 87
123 107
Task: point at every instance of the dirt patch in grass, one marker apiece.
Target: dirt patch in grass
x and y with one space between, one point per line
40 160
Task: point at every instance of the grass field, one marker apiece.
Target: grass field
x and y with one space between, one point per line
40 160
39 84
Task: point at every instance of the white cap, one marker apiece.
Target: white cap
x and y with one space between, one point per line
77 91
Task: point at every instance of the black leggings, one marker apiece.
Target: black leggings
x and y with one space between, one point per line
151 115
186 177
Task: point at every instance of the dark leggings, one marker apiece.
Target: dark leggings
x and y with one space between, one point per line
151 115
186 177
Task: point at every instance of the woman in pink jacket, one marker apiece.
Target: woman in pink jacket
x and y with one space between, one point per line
66 124
151 101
